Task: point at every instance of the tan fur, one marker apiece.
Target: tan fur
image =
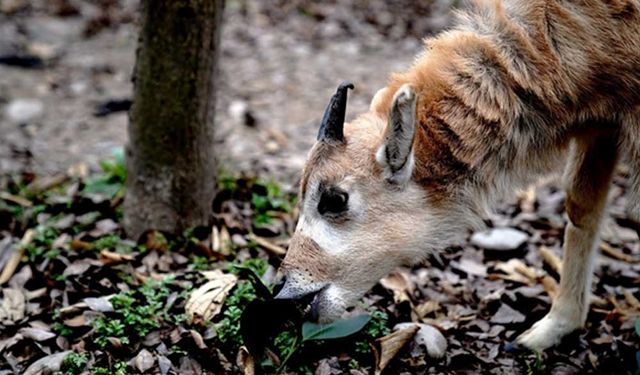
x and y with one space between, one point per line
505 97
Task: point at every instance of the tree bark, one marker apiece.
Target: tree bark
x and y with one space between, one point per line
170 160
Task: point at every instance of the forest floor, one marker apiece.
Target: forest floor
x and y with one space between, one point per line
78 297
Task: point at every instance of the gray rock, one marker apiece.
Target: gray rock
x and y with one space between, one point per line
499 239
53 30
22 111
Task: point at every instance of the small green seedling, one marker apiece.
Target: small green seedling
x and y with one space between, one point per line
111 181
120 368
73 364
138 312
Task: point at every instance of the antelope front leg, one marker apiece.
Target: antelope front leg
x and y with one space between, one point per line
588 177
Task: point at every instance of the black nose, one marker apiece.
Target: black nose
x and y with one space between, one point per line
278 287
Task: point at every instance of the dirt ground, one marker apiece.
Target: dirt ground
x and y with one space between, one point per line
280 62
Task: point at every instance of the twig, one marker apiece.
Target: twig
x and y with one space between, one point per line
14 261
268 245
548 283
528 199
596 301
631 299
15 199
215 239
551 259
617 254
294 348
550 286
46 183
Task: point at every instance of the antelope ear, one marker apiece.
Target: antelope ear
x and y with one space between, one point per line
396 153
377 99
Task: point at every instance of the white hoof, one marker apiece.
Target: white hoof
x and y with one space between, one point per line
546 333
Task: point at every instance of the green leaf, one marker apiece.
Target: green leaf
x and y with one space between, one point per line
102 185
638 326
335 330
115 167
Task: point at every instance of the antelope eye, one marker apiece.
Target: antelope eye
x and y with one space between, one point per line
333 201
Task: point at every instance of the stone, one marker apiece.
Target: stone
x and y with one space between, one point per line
499 239
21 111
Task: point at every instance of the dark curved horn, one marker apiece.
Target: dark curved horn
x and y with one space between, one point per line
332 124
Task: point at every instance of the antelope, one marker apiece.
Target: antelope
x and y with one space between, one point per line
516 91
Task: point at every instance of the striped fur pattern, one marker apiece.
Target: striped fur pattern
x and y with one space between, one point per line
516 91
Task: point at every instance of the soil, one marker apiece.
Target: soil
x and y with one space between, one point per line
280 63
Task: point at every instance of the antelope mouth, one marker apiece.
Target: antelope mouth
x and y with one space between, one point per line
314 306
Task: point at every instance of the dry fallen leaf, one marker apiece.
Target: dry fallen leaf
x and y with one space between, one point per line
424 309
12 305
101 304
551 258
269 246
507 315
428 337
511 269
37 334
164 364
527 199
399 283
15 199
245 361
77 321
47 365
471 267
16 257
144 360
206 301
617 254
110 257
388 346
197 339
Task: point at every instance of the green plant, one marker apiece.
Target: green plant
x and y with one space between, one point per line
73 364
266 196
318 331
120 368
375 328
42 244
257 265
274 200
228 328
111 181
354 364
536 367
61 329
105 328
139 311
115 243
226 181
285 343
199 263
115 166
58 326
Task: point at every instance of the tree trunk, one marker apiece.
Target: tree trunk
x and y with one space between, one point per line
170 161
